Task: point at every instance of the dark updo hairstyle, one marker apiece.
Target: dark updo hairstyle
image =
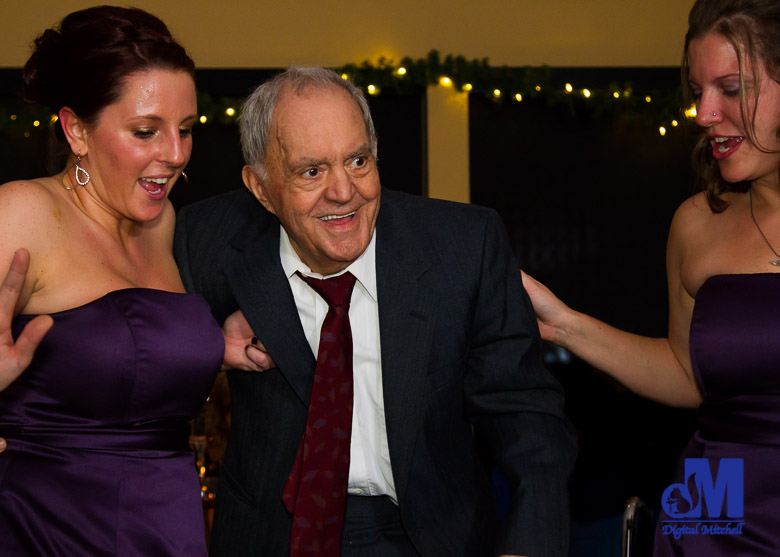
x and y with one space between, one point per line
753 29
82 63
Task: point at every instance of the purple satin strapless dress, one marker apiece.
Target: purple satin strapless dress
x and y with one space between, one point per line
98 461
735 352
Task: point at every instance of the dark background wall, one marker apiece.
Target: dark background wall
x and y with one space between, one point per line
587 200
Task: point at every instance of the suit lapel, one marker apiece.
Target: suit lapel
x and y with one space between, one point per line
407 315
263 293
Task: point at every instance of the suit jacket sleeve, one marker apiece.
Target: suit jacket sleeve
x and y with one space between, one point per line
516 406
200 247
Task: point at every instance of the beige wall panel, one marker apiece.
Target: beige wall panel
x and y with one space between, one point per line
232 33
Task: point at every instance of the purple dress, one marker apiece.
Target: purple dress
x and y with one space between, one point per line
98 461
735 352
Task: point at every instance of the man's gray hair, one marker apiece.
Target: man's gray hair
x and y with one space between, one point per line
258 109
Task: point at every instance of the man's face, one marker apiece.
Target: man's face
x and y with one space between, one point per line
322 180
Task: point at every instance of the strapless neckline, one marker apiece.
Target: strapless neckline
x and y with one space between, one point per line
725 276
111 294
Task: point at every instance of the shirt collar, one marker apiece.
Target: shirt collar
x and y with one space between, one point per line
364 267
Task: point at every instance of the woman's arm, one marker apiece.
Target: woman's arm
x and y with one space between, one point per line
657 368
23 207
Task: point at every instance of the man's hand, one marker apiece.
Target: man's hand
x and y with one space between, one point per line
242 348
16 356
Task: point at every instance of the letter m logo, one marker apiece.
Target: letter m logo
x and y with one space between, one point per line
728 484
684 500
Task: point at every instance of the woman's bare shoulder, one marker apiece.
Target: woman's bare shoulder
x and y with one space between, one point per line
28 210
690 236
21 194
695 223
692 213
703 242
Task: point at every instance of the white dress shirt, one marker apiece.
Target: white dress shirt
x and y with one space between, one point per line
369 465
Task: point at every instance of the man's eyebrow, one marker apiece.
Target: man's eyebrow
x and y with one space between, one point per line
362 150
311 161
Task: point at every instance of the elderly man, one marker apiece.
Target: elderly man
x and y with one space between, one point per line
431 343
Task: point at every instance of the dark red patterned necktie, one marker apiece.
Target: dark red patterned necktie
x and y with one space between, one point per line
316 490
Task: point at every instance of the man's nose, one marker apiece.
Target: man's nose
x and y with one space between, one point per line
340 188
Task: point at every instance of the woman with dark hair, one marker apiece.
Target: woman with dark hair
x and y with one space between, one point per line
723 272
118 357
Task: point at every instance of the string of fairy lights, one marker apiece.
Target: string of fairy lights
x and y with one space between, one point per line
658 109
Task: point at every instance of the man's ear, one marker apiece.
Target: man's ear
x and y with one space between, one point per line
75 131
257 186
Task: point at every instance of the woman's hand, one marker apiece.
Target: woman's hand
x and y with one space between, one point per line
242 348
16 356
549 309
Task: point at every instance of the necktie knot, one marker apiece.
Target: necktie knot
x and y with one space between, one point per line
336 291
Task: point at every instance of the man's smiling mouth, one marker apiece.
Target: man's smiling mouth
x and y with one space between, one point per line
337 217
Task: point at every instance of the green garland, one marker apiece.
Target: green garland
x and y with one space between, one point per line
504 84
659 107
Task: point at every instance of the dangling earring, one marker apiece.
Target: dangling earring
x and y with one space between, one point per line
184 175
84 173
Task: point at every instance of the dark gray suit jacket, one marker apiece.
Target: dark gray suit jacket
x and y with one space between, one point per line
460 359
